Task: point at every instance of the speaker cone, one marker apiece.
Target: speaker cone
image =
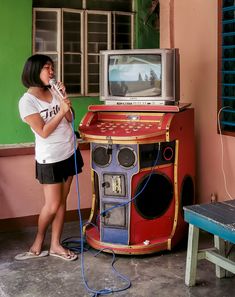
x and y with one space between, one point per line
126 157
156 194
168 153
187 192
101 157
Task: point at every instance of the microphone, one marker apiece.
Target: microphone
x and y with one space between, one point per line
54 85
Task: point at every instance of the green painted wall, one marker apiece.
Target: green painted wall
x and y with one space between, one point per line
16 47
147 35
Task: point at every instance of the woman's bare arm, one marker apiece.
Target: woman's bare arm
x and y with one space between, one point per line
43 129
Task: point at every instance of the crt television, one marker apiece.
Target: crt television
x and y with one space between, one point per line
139 76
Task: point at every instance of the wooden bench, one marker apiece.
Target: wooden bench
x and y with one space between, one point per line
218 219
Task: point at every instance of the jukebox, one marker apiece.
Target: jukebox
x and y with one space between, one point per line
143 173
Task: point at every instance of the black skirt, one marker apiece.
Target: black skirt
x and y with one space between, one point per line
59 172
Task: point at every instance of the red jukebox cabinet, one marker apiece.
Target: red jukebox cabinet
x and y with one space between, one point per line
142 160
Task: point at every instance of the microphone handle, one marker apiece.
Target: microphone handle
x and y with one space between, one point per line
58 91
54 85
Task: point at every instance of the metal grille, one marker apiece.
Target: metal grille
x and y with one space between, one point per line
227 77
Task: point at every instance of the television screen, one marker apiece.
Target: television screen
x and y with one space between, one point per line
139 76
134 75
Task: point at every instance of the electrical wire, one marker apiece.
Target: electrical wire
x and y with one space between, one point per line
222 152
81 242
222 166
132 199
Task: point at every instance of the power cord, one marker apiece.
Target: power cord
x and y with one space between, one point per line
222 152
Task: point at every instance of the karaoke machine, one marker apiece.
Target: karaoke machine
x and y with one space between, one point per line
143 172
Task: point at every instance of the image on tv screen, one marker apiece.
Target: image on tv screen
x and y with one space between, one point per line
135 75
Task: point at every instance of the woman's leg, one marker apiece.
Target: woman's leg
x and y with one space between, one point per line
53 194
58 221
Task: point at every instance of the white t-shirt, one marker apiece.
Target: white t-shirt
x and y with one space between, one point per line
59 145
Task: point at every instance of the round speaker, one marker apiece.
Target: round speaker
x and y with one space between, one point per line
187 192
156 193
126 157
168 153
100 156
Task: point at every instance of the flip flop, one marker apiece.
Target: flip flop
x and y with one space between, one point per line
31 255
64 256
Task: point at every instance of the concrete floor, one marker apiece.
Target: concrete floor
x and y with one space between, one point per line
160 274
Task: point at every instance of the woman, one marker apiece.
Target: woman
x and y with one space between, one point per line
50 120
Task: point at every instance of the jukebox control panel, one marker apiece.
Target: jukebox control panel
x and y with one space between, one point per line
124 126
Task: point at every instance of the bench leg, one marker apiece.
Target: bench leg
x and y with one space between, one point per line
192 252
220 245
231 256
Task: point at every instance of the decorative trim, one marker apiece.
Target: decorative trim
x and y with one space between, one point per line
172 24
176 194
10 150
17 224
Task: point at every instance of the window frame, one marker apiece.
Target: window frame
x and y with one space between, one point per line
86 54
84 92
82 45
221 107
58 39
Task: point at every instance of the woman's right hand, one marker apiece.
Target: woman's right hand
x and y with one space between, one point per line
43 129
65 105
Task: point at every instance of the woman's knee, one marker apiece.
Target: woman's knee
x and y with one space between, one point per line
52 209
53 197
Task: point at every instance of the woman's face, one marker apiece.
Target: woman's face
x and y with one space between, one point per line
47 73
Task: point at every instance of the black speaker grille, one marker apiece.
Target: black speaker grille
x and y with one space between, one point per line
156 194
150 154
101 157
126 157
187 192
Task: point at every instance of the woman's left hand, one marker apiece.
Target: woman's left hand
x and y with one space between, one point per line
61 88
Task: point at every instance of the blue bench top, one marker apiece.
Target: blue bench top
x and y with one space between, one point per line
217 218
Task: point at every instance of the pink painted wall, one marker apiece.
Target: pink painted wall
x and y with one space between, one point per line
192 26
20 193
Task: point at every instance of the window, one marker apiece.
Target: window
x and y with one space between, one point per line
226 66
73 33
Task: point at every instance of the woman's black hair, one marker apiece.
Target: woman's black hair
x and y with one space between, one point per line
32 69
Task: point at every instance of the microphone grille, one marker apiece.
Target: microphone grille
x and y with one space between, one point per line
52 82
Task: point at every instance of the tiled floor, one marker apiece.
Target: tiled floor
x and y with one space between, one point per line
160 274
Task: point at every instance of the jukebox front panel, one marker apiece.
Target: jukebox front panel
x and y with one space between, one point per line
115 166
136 180
153 210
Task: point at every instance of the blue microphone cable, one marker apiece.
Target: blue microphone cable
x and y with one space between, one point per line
137 194
104 291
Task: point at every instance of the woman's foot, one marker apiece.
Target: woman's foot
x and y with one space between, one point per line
36 247
31 255
63 253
